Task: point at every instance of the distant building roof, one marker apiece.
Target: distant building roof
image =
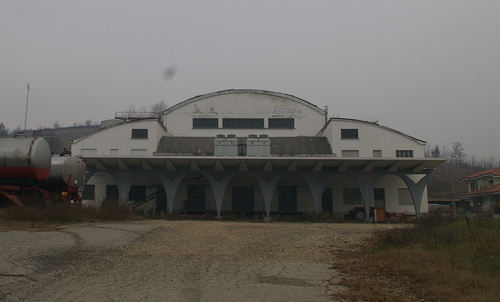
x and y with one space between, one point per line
490 172
493 189
281 146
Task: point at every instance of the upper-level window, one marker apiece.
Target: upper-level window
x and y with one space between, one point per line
205 123
139 133
243 123
404 153
282 123
349 133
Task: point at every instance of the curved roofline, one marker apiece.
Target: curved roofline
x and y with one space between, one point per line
123 122
234 91
422 142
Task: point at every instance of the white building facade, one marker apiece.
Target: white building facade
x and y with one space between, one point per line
257 153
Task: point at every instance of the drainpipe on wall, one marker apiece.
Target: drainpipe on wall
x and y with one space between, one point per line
326 115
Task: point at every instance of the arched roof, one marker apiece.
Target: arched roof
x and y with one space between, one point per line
333 119
239 91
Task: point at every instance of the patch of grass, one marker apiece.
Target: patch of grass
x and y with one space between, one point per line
436 259
65 213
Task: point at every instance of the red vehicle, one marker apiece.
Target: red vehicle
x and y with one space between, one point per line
27 165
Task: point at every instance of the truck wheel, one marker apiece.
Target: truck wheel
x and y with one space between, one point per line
360 215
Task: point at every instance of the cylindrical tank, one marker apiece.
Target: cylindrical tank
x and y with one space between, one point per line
24 158
67 170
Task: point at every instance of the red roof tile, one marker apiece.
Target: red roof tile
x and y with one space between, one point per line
491 172
484 191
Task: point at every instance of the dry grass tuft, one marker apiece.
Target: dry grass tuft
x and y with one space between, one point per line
437 259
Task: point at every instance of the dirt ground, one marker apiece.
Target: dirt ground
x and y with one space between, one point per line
164 260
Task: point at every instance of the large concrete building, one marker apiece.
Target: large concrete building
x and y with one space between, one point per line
256 152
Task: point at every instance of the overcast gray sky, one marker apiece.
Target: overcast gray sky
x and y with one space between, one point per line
430 69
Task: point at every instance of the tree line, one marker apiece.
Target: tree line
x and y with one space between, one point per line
446 180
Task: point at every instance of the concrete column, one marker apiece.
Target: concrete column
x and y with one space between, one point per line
268 190
171 187
219 188
417 189
366 189
316 189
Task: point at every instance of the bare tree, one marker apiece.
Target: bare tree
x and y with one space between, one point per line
158 108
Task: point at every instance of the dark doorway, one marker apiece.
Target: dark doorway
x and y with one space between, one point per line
243 199
326 201
287 196
379 197
161 201
196 198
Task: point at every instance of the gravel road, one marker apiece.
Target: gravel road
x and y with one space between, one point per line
162 260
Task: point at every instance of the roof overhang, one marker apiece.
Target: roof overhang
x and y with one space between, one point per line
262 164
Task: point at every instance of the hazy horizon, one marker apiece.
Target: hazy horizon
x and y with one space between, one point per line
429 69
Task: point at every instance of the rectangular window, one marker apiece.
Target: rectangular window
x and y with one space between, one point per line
112 192
404 153
139 152
139 133
243 123
88 192
349 133
352 196
205 123
89 151
113 151
281 123
350 153
377 153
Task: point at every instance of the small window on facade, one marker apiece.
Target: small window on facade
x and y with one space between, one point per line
88 151
350 153
281 123
377 153
88 192
349 133
139 152
139 133
113 151
404 153
205 123
243 123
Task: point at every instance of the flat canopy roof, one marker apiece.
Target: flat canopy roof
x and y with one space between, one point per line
261 164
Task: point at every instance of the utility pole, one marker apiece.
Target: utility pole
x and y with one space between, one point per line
26 115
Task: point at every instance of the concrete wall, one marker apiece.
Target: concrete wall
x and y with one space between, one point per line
371 137
118 137
308 118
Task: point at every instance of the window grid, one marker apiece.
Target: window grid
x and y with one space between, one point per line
243 123
349 133
404 153
281 123
205 123
139 133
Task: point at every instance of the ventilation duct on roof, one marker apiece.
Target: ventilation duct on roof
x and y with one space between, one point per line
258 146
225 146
